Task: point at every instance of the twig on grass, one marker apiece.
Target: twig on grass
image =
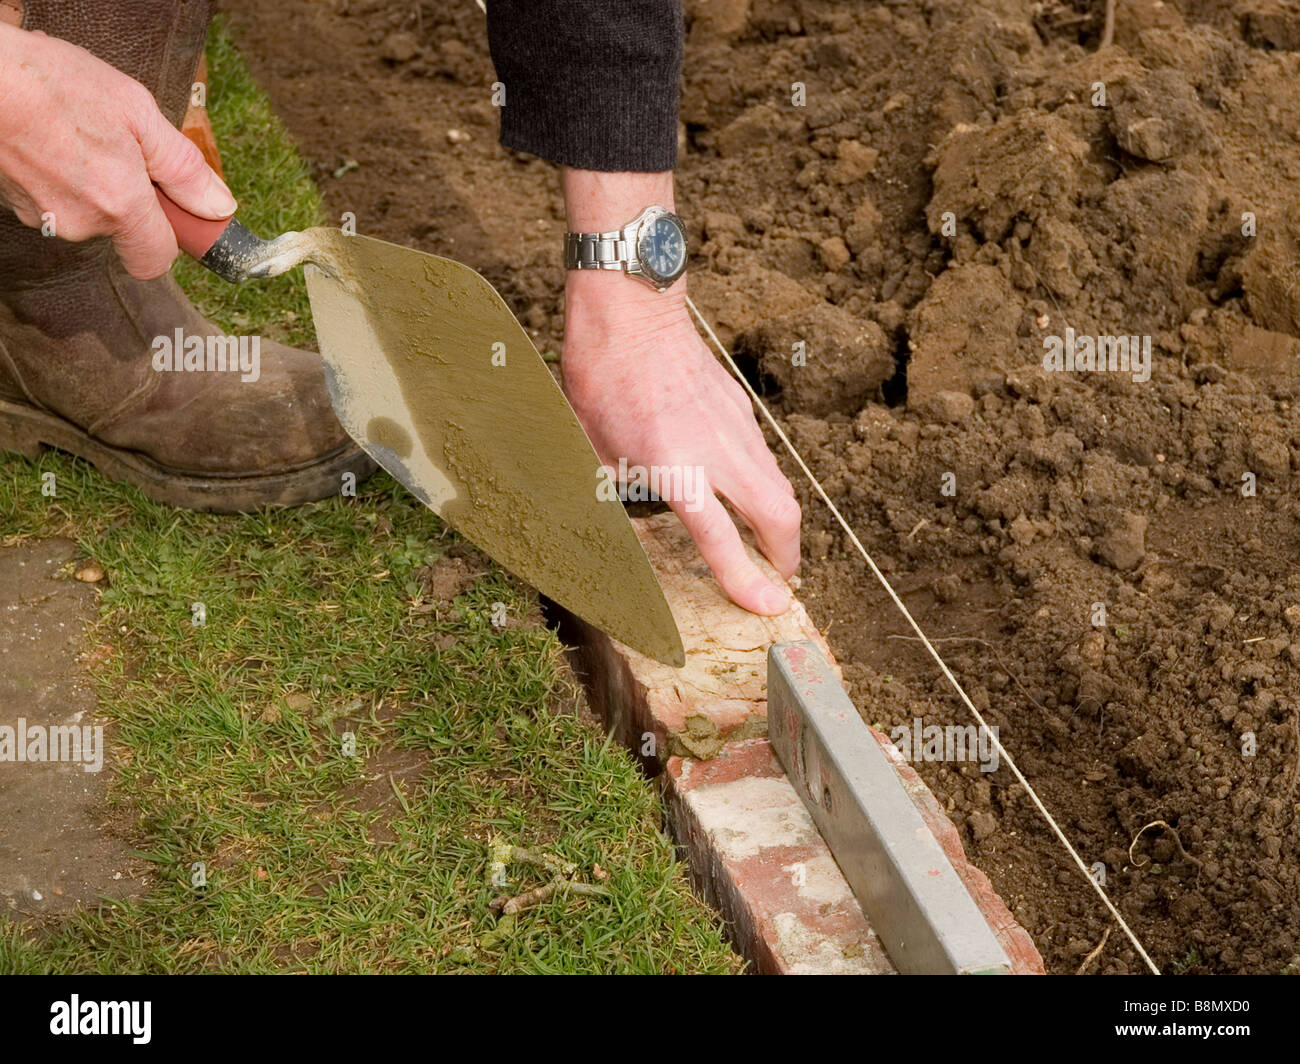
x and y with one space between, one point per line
506 853
561 871
504 905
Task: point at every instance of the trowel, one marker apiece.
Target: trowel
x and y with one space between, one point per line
436 380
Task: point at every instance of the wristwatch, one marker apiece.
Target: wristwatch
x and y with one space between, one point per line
651 248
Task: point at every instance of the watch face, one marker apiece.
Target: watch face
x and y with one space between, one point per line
662 248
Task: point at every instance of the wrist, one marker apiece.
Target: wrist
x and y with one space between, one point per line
605 309
624 223
608 303
611 295
597 202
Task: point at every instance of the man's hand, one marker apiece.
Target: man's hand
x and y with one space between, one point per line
82 145
647 390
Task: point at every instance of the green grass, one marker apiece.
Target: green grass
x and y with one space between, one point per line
230 735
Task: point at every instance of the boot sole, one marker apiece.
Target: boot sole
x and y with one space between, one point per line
29 432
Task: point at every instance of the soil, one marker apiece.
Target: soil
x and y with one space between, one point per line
1108 559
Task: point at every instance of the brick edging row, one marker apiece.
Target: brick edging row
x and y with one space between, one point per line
753 849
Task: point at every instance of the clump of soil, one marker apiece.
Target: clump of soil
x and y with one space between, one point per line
447 578
915 198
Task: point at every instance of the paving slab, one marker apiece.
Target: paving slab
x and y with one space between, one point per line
59 849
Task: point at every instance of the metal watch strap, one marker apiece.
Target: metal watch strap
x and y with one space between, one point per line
596 251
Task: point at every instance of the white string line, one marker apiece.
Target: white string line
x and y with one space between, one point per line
1002 751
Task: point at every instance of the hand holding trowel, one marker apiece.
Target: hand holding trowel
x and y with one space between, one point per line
431 374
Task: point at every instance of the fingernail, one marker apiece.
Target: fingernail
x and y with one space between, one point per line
219 199
774 600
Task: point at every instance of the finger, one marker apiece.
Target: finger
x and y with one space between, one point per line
715 534
177 166
774 516
146 243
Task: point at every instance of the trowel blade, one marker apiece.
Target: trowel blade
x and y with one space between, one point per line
434 378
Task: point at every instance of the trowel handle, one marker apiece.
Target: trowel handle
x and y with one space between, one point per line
224 247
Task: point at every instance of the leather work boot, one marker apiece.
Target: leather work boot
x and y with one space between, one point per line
77 332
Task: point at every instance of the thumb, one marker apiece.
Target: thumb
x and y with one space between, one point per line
177 166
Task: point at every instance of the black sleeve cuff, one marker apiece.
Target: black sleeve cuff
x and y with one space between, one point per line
589 83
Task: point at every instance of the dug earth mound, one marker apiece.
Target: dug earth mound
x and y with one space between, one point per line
1108 562
898 207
